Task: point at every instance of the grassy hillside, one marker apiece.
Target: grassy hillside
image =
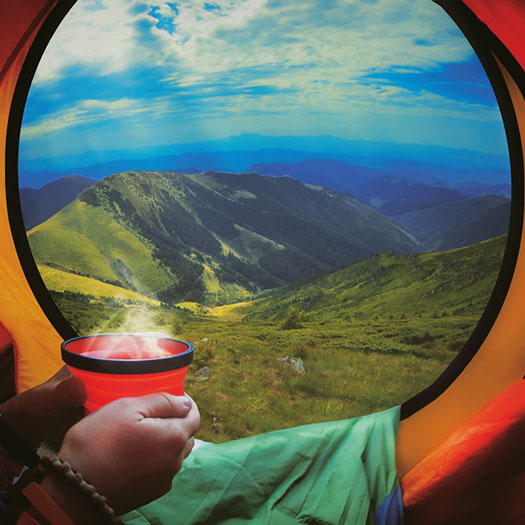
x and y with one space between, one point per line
212 238
352 368
392 286
241 387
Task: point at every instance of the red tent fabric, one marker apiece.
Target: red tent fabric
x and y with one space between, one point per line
506 19
7 365
477 475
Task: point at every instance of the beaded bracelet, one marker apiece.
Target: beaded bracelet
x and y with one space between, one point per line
75 478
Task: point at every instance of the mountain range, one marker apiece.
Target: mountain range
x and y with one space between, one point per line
475 219
391 192
480 188
239 153
212 237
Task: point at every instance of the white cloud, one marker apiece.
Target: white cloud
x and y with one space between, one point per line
92 110
103 39
343 40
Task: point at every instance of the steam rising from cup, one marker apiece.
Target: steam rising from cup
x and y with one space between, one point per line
126 365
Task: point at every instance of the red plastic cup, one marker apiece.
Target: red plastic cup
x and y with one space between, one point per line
126 365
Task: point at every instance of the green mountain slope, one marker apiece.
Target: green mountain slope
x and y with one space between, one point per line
395 286
211 238
87 241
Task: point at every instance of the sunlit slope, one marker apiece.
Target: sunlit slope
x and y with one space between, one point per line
87 240
455 282
60 281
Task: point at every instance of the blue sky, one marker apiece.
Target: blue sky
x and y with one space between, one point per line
121 74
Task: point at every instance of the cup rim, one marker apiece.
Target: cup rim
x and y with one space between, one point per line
126 366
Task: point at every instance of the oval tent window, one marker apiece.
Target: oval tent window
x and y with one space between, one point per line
320 205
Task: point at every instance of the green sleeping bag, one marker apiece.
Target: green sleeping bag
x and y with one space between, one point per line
328 473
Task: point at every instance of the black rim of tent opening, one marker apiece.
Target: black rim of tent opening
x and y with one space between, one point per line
486 46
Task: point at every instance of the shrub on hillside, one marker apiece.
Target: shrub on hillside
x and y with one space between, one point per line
294 319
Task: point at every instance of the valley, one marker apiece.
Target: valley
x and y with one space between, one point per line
371 296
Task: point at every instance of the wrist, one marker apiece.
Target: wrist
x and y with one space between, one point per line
50 495
87 491
28 503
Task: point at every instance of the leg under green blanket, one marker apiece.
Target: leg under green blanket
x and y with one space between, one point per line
328 473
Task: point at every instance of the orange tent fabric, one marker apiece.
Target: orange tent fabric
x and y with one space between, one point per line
36 340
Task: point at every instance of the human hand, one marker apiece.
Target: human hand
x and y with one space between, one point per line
131 449
47 411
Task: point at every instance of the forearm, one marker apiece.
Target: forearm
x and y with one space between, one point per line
77 506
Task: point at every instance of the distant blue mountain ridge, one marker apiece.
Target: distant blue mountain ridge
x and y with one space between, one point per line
395 193
427 164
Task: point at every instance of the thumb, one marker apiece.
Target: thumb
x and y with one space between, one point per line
71 391
164 405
